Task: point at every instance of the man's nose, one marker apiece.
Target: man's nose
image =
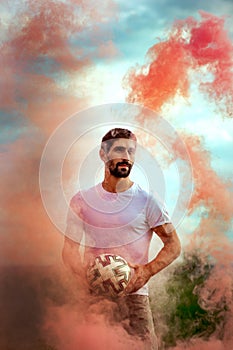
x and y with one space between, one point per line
126 154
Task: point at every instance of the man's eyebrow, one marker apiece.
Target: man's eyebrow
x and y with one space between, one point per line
118 147
123 148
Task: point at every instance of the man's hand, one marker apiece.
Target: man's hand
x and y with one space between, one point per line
166 256
141 276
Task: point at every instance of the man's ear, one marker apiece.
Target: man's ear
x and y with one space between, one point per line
103 155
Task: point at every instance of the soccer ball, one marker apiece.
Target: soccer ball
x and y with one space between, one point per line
108 275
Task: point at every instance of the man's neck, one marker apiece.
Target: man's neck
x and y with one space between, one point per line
112 184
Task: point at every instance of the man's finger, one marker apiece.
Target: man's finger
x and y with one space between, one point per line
132 265
130 286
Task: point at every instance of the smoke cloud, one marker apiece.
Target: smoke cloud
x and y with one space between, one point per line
42 54
192 46
201 50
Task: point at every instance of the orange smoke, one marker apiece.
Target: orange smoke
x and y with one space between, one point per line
191 47
72 329
211 191
40 61
197 47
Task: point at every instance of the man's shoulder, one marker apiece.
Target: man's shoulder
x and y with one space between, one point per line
149 195
141 195
138 190
83 194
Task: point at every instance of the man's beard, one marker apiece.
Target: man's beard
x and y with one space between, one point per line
119 172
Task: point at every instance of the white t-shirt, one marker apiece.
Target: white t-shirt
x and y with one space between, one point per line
116 223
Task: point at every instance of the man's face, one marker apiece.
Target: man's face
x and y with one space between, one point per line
120 157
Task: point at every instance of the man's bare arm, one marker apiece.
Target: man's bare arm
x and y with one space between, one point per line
170 251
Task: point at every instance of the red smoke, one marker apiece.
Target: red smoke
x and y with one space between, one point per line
210 45
162 78
38 63
44 64
35 59
72 329
197 47
191 46
210 189
41 58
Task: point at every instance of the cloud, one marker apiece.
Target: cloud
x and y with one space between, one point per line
150 21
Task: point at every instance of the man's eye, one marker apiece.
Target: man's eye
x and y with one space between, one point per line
119 149
131 151
122 149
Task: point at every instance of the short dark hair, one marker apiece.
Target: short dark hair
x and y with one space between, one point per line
116 133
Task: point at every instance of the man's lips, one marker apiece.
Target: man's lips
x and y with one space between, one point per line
123 166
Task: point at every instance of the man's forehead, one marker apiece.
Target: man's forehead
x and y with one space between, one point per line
124 143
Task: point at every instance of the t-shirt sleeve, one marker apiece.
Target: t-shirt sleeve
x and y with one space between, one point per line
157 213
74 222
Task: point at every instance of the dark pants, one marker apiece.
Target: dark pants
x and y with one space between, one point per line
133 312
136 316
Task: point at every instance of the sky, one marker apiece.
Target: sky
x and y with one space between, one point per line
63 63
61 58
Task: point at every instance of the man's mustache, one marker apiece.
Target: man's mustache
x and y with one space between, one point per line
124 163
110 163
